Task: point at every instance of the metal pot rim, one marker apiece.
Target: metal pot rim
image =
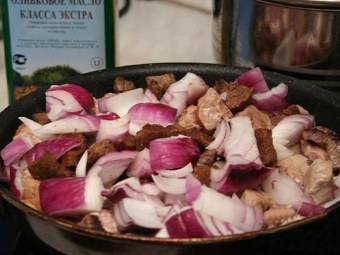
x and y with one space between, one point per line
320 4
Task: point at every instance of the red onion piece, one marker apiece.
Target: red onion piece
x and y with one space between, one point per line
121 103
82 165
110 166
130 187
193 188
178 173
71 196
153 113
71 124
255 79
16 149
170 185
272 100
33 126
220 138
284 190
57 147
173 152
67 99
150 97
309 209
140 165
15 179
193 87
113 129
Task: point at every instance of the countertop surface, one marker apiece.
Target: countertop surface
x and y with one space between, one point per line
153 32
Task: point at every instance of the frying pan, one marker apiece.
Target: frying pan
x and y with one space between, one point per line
313 235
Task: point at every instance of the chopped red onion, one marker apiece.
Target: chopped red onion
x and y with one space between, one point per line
284 190
110 166
113 129
67 99
57 147
130 187
193 188
253 78
173 152
33 126
178 173
16 149
220 137
170 185
272 100
140 165
150 97
82 165
71 196
309 209
121 103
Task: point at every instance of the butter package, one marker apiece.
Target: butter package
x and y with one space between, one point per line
49 40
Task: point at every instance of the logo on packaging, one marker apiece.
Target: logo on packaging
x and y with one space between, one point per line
19 59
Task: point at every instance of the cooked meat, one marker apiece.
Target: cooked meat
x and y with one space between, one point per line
313 151
290 110
72 157
207 158
41 118
24 131
102 220
202 173
151 132
318 181
258 118
278 215
295 166
46 167
266 147
211 109
160 83
258 198
96 150
189 117
327 139
121 85
125 143
238 96
30 194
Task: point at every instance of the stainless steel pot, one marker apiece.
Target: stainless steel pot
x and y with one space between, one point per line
296 37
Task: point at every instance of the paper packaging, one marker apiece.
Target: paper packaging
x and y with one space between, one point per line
49 40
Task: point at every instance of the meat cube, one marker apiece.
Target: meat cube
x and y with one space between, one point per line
160 83
258 198
207 158
47 166
318 182
95 151
202 173
151 132
279 215
211 109
238 96
30 193
102 220
295 166
41 118
125 143
72 157
327 139
121 85
266 147
313 151
258 118
189 117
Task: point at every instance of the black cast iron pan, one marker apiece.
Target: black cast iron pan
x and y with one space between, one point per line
312 235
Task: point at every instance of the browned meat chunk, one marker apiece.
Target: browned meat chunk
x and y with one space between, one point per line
295 166
318 183
327 139
95 151
211 109
102 220
258 198
121 85
202 173
189 118
151 132
238 96
160 83
266 147
72 157
125 143
41 118
46 167
290 110
207 158
258 118
279 215
313 151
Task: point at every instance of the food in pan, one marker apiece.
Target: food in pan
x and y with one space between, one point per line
178 158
